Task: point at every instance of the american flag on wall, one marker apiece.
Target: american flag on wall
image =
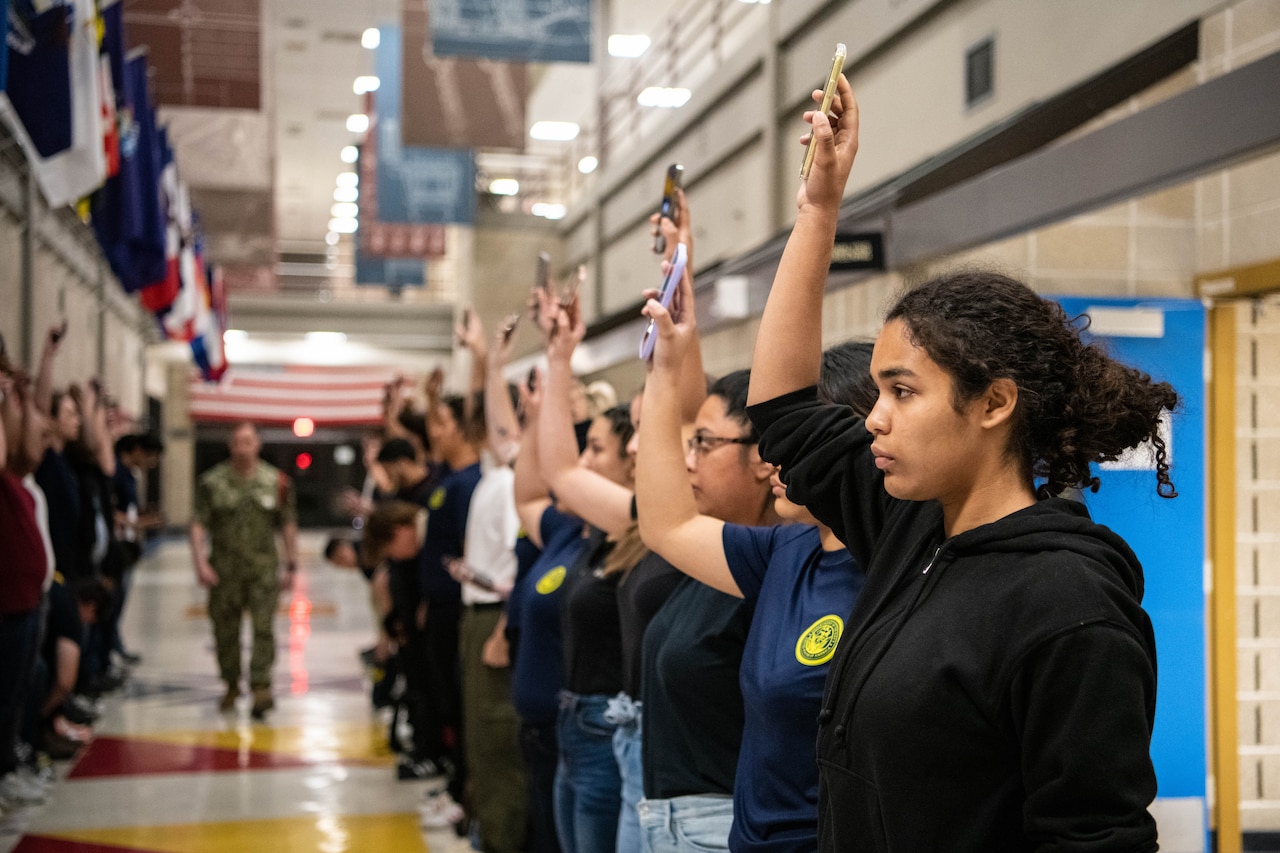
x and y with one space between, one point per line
330 396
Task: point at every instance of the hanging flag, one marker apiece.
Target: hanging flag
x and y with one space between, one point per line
514 30
415 184
127 214
210 323
37 96
80 169
331 396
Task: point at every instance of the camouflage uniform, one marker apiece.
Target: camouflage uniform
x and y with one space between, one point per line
242 516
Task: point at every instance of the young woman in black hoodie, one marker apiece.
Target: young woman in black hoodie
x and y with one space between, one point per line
996 689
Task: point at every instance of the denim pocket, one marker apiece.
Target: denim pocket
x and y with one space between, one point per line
704 832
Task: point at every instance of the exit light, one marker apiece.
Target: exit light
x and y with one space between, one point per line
304 427
303 461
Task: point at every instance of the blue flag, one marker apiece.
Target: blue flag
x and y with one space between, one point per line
39 84
127 213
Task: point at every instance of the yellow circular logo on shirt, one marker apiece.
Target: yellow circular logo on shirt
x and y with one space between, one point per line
437 499
551 581
817 644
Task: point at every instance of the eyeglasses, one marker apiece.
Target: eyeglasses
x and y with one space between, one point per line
701 444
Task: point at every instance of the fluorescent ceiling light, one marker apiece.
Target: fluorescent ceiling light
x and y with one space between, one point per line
548 211
588 164
665 98
504 186
343 226
371 38
357 123
346 194
325 338
628 46
350 154
332 238
365 83
348 179
344 210
554 131
234 336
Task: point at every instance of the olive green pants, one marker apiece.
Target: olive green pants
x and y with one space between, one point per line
239 590
491 739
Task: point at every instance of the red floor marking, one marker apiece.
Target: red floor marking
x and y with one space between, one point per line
109 756
40 844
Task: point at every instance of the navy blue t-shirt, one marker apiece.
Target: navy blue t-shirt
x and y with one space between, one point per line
534 607
448 505
803 595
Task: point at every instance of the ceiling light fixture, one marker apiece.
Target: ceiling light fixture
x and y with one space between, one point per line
343 226
365 83
588 164
325 338
235 336
344 210
548 211
358 123
332 238
663 97
504 186
350 154
371 38
347 194
554 131
348 179
628 46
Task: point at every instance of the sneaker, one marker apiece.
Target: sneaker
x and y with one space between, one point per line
438 810
128 658
78 713
85 707
407 769
21 791
262 702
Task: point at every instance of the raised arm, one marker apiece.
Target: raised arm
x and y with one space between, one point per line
693 381
596 499
788 353
93 428
501 422
470 333
669 520
44 376
532 495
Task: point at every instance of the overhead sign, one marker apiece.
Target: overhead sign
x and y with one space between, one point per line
858 252
516 30
415 184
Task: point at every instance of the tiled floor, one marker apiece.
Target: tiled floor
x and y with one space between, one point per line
168 773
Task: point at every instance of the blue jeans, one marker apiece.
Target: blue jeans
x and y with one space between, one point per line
588 788
625 713
690 824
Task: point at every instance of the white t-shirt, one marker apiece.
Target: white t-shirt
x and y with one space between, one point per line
492 528
42 522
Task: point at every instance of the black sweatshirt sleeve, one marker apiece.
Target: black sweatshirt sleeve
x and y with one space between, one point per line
1081 705
825 454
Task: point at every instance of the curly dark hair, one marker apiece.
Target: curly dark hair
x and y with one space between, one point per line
1076 405
620 424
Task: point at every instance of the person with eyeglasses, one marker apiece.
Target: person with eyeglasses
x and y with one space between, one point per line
799 575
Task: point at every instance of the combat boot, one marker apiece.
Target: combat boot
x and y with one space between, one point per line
262 702
228 702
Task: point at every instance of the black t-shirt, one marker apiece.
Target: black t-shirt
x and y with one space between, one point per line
403 574
692 723
589 624
61 486
449 504
640 595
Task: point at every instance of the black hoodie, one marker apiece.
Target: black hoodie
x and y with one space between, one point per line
993 691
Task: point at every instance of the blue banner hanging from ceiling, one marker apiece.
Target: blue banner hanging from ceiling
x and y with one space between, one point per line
396 261
415 184
513 30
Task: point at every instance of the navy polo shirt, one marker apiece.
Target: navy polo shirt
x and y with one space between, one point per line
803 595
534 607
447 505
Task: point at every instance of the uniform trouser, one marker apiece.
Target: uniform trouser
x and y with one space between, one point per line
492 738
236 592
442 740
541 752
19 640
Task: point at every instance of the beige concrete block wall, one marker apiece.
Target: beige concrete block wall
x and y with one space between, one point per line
1258 559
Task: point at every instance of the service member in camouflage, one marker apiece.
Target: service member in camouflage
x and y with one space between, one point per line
240 505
